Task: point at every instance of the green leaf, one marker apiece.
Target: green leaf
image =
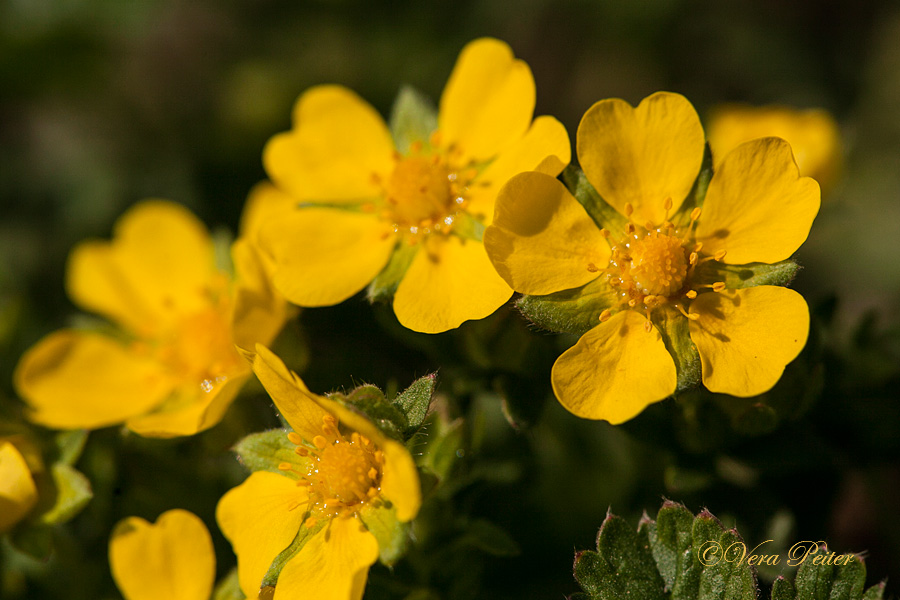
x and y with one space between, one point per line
826 575
415 400
413 119
490 538
229 588
266 450
670 543
782 589
675 331
303 535
622 567
441 443
392 535
723 576
602 213
73 492
570 311
370 401
384 286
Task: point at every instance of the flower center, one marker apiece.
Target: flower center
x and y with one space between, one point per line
341 473
658 264
652 266
419 190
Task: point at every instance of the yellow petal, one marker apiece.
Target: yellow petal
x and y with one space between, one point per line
338 142
293 399
18 493
545 147
334 564
813 134
746 337
615 370
488 101
325 255
193 408
449 281
171 559
265 201
259 310
159 264
260 518
542 240
757 207
305 411
642 155
74 380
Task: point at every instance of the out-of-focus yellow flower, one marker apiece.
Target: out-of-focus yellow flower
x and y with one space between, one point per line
172 558
365 202
813 135
658 264
171 368
18 492
344 478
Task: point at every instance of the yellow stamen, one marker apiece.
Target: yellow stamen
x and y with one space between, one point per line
605 314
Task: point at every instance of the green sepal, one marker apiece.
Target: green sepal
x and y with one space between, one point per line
303 535
876 592
441 443
490 538
72 493
415 401
622 566
413 119
392 535
266 450
749 275
468 227
676 335
370 401
697 195
602 213
384 286
229 588
575 310
68 446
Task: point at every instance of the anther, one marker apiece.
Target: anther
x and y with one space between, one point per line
648 225
605 315
667 203
630 228
285 466
691 294
592 268
648 326
695 214
295 438
604 232
629 209
718 286
319 442
693 258
373 473
301 451
720 255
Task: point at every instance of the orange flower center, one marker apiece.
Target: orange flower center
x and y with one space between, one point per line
419 189
341 473
653 266
658 264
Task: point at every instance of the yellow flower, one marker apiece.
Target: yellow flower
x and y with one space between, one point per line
345 478
425 208
171 559
813 135
663 277
18 492
171 367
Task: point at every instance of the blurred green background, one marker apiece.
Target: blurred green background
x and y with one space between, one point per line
106 102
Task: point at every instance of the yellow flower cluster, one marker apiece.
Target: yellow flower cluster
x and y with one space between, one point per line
462 216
